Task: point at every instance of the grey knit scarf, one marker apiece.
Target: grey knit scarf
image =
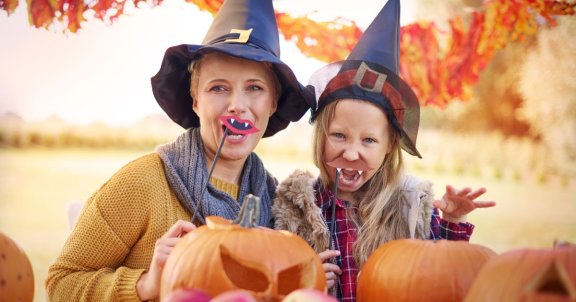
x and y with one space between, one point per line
186 171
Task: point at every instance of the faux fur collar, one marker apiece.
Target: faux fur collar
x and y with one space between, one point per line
294 208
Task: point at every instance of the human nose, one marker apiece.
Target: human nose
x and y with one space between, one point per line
351 152
238 103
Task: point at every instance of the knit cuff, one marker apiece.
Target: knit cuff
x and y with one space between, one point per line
127 279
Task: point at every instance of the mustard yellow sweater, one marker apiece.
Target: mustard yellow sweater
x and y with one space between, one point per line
113 240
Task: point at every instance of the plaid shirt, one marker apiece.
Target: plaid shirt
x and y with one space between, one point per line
346 236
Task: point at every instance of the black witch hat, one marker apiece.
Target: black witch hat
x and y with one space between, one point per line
242 28
370 73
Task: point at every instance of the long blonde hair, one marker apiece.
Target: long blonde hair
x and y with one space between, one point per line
378 217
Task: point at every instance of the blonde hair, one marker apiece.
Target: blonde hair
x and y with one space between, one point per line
196 64
378 217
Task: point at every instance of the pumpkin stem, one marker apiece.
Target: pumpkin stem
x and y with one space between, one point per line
250 212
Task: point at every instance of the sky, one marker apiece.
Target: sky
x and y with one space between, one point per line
102 73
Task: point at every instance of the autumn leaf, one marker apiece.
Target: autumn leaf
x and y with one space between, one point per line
8 5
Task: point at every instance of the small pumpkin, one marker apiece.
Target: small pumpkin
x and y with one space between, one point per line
234 296
223 256
528 274
309 295
16 275
187 295
421 270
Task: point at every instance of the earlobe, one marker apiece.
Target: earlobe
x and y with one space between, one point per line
274 108
194 104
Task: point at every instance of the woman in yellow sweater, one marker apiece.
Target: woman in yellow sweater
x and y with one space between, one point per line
228 93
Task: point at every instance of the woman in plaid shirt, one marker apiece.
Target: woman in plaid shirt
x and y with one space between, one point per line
365 116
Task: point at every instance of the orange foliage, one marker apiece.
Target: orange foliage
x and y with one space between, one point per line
437 74
8 5
325 41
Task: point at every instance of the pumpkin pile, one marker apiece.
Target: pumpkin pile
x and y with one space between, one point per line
223 256
16 276
421 270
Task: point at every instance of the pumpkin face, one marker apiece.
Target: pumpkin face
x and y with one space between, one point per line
528 275
421 270
16 276
221 256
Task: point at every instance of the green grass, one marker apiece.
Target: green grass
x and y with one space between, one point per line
37 184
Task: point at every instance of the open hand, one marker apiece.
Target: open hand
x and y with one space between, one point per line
456 204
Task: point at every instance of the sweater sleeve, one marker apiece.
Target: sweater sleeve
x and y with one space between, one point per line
111 245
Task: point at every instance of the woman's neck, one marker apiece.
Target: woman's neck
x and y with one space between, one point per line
226 170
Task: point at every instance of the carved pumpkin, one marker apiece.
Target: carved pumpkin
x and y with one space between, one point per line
547 274
223 256
16 276
421 270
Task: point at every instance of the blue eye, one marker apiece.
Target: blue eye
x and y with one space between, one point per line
254 88
369 140
337 135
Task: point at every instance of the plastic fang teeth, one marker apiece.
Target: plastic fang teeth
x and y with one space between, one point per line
246 125
339 170
232 121
360 172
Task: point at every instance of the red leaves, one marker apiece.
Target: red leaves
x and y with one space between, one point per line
325 41
8 5
437 74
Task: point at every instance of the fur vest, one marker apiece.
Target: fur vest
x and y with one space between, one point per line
295 209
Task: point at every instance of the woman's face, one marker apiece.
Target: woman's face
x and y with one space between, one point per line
358 139
238 88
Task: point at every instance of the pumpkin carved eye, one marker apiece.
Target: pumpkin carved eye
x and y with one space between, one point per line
553 280
242 273
295 277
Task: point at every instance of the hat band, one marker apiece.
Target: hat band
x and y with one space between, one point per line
230 38
368 80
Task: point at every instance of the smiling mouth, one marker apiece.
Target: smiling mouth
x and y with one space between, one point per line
238 126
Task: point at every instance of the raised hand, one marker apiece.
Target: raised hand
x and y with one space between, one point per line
456 204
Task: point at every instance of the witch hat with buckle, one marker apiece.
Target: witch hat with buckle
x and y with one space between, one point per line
242 28
370 73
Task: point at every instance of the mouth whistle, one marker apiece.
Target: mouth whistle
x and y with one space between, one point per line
238 126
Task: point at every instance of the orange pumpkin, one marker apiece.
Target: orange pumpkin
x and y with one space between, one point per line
421 270
223 256
16 276
545 274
